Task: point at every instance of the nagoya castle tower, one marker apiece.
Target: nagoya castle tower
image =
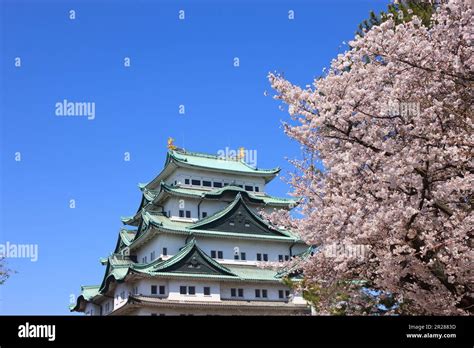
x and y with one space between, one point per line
196 243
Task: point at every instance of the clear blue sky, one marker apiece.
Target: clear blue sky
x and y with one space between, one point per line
173 62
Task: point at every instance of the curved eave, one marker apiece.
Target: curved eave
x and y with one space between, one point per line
132 220
215 194
176 275
82 299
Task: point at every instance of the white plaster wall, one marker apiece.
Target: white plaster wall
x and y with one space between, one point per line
226 245
250 247
121 293
144 286
170 241
174 287
174 204
92 309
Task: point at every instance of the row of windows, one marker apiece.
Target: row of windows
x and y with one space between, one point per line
187 214
191 290
243 256
259 293
219 254
281 258
218 184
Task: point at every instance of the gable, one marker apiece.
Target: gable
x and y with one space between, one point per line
237 218
194 263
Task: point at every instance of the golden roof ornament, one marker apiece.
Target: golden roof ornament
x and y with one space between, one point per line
171 145
241 154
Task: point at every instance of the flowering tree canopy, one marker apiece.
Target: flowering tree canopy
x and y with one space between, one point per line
392 123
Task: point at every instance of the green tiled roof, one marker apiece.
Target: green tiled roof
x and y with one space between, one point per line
215 162
127 236
88 292
254 273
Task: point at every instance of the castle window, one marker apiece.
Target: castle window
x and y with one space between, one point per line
206 183
154 289
259 257
248 188
287 293
257 293
220 255
204 214
181 213
236 292
191 290
280 293
165 251
257 189
196 182
265 257
280 258
152 256
207 291
226 183
186 181
217 184
287 257
188 214
182 290
243 256
213 254
162 290
264 293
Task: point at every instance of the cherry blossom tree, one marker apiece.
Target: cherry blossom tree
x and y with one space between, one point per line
4 271
392 124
